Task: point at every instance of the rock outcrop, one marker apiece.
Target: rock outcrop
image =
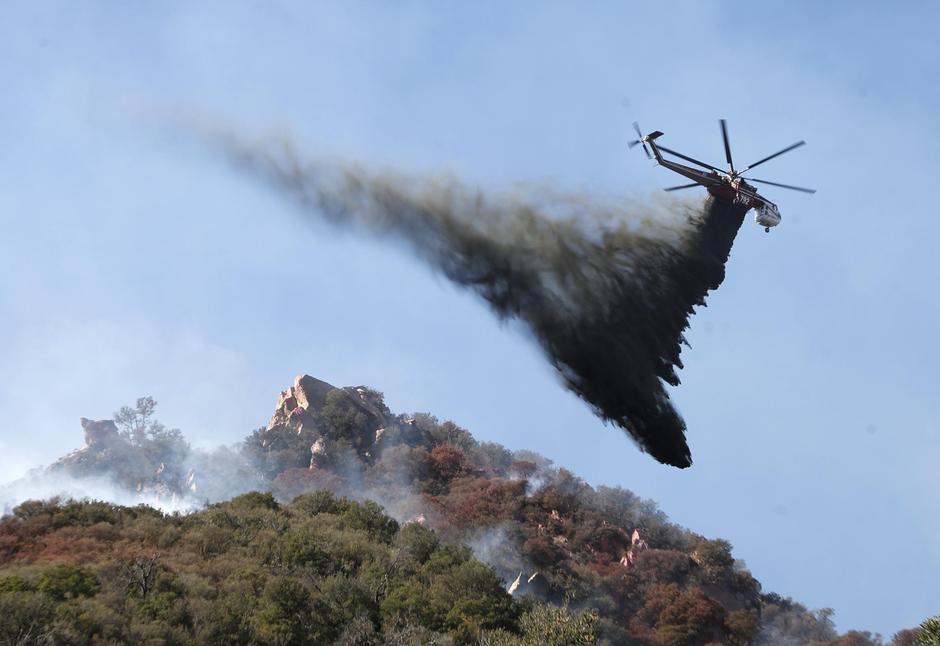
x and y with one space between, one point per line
296 404
104 445
301 407
100 434
637 545
152 474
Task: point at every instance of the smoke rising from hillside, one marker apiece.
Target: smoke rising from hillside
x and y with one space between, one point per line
605 290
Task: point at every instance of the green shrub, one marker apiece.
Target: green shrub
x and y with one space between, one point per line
15 583
64 581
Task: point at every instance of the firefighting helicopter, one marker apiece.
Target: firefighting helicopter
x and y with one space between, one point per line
726 185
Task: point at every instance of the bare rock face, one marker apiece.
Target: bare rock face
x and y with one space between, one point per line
99 434
296 404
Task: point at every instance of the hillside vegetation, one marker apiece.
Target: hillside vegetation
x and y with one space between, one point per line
369 528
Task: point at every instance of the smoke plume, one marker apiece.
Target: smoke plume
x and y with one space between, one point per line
606 290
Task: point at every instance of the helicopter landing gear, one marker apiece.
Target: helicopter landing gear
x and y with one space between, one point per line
766 229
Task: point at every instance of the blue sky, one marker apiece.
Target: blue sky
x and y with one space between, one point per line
137 264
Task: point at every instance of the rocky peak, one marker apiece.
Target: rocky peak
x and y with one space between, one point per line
297 405
300 408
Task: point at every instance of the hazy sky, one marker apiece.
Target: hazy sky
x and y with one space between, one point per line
136 263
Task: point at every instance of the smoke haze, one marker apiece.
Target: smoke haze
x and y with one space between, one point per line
606 290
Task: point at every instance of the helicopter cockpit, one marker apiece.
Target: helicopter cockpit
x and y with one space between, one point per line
767 216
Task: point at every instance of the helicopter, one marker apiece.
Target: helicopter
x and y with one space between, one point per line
725 185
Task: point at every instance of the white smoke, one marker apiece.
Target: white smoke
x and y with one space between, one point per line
43 486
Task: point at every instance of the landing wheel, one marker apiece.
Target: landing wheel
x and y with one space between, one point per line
766 229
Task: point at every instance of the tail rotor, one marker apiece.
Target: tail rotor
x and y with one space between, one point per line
639 141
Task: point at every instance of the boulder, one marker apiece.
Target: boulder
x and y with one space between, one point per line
99 433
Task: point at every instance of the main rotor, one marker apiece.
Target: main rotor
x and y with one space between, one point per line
731 173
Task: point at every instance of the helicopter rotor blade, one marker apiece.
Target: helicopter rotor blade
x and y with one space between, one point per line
689 159
677 188
792 188
724 136
776 154
639 140
634 144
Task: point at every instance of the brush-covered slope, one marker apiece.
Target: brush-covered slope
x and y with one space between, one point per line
372 528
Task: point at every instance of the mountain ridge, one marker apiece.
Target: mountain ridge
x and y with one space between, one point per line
610 563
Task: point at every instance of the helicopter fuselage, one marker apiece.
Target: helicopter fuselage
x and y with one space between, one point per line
724 185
